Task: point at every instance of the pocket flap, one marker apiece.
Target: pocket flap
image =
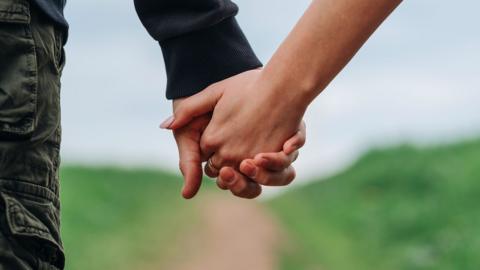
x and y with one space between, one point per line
24 223
14 11
31 231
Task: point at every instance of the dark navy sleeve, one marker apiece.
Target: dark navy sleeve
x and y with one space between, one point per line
54 10
200 40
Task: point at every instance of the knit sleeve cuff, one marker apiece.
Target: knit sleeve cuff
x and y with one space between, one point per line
195 60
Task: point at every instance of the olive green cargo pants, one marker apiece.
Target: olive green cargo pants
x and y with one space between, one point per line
31 61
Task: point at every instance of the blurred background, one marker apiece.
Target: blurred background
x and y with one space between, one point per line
396 136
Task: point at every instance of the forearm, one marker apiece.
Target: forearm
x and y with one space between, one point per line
322 43
200 39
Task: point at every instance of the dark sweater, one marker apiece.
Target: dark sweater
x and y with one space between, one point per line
200 40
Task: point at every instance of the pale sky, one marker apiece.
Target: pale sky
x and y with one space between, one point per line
416 80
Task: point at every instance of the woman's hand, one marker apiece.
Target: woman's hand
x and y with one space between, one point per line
256 111
269 167
249 117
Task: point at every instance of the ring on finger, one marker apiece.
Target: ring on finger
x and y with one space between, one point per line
211 167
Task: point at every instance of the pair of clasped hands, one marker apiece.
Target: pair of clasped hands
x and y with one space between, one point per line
243 130
249 127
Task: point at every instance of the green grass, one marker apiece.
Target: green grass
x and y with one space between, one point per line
394 209
120 219
399 208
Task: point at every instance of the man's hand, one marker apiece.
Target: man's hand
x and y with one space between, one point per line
269 167
190 163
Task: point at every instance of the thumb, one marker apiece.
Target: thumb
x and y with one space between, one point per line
196 105
190 162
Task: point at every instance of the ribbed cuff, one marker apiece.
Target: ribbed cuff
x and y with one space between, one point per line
198 59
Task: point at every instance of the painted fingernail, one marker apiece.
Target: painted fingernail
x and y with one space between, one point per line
250 170
167 123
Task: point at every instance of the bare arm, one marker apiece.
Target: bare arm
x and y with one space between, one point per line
258 110
322 43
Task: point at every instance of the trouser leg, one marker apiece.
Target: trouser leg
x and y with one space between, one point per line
31 61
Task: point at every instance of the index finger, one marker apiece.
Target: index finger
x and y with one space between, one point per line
190 160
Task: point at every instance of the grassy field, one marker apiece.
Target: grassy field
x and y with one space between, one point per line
120 219
400 208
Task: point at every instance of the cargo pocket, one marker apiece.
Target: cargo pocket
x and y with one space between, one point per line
34 226
18 70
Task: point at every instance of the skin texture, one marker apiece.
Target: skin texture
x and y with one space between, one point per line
269 166
268 169
258 110
233 132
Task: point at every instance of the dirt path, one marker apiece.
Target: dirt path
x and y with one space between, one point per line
233 234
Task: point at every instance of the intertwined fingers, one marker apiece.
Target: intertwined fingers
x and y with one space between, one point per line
264 175
238 184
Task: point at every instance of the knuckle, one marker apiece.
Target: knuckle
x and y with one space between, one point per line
181 109
181 163
226 158
213 88
216 88
209 142
181 166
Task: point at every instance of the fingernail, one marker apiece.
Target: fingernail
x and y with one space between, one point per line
250 170
228 177
167 123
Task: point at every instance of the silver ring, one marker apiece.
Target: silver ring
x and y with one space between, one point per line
210 165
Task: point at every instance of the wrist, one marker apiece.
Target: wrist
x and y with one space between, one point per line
287 90
280 101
